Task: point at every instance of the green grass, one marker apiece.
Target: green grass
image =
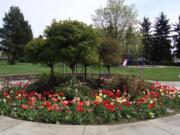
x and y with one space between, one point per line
155 73
21 68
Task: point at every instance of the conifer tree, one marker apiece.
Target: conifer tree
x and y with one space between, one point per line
146 41
14 34
177 39
161 41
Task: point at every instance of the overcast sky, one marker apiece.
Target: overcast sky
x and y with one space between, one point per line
40 13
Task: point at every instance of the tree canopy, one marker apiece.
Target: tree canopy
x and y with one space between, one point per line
133 43
161 40
40 50
14 34
109 53
75 41
177 39
147 37
114 18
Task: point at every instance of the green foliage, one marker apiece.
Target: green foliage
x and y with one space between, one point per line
72 104
75 41
14 35
88 46
41 51
41 85
74 88
147 38
33 49
133 43
131 84
177 39
161 42
171 102
45 83
114 18
109 52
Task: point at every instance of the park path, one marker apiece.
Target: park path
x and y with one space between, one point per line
171 83
162 126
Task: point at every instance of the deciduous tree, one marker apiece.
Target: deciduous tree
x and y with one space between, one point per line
133 44
109 53
40 50
75 41
114 18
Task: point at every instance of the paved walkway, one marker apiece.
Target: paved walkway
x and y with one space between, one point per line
171 83
163 126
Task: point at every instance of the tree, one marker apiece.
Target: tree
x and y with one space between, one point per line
14 35
40 50
114 19
109 53
177 39
146 41
89 56
161 40
133 44
64 35
89 48
75 41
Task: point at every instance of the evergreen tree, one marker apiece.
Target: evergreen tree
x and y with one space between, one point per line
161 41
177 39
16 32
146 41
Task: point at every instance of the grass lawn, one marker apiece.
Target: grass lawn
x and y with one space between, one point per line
155 73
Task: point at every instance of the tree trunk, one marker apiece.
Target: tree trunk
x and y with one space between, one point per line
53 81
72 66
99 64
85 71
52 71
108 68
12 59
76 69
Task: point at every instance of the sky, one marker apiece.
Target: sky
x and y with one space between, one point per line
40 13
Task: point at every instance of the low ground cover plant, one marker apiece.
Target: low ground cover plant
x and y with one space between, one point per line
74 102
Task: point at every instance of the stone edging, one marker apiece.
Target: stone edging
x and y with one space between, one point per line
17 77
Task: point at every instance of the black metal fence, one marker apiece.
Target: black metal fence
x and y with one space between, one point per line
77 75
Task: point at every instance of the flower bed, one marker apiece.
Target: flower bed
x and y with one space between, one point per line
98 107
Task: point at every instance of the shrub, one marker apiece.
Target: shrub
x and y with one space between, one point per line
46 83
74 88
130 84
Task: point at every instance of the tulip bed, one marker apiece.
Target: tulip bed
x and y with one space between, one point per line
98 107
